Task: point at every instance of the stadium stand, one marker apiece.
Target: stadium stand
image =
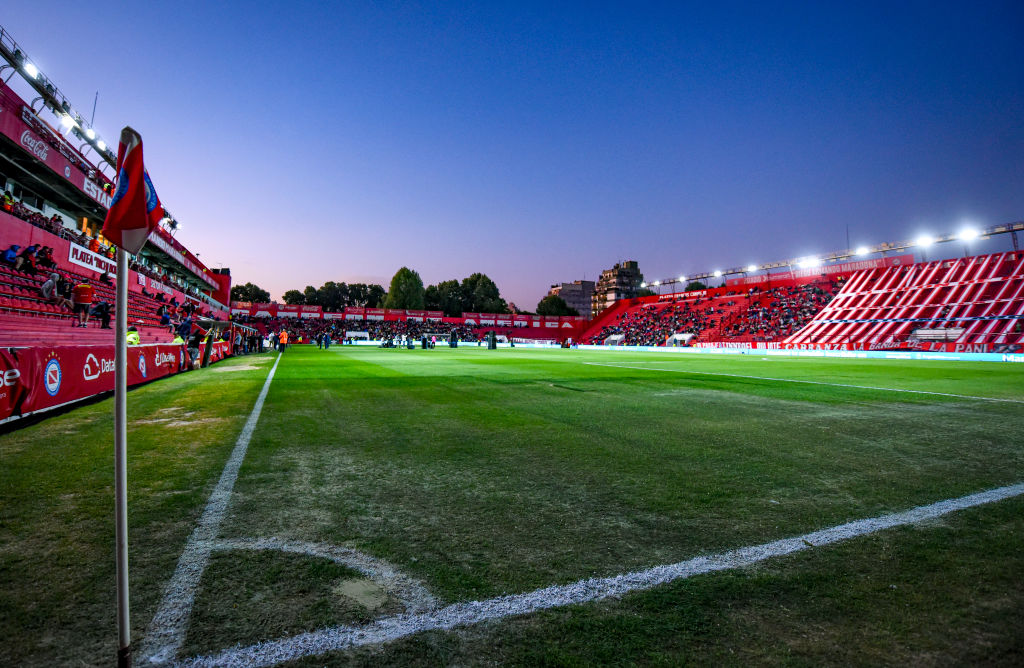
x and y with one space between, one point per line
977 301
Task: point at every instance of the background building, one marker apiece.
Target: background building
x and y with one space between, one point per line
620 282
578 295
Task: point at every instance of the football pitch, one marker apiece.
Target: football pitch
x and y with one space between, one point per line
363 506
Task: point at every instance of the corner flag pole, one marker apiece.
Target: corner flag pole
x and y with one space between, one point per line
124 632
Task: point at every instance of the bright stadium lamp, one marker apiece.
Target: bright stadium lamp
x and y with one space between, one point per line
924 241
90 133
643 285
718 273
752 267
862 250
101 145
968 234
31 70
682 277
657 283
66 121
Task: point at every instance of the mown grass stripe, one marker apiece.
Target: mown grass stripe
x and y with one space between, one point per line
809 382
464 614
166 632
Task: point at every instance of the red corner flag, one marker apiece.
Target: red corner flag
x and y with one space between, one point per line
135 209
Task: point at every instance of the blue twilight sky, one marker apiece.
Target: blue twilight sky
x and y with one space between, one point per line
539 142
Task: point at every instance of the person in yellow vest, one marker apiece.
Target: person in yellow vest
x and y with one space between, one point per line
132 337
177 340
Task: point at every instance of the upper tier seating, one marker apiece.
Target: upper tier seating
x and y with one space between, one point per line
982 295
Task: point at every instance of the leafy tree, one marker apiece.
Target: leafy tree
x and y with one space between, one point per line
293 297
645 292
695 285
333 296
361 294
554 305
446 296
249 293
310 295
406 290
481 295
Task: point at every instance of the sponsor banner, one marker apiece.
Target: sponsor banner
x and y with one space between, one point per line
336 316
878 346
374 313
33 379
841 268
418 315
435 315
84 257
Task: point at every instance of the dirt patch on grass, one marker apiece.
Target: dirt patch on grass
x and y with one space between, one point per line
366 593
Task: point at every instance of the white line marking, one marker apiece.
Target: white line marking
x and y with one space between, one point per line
166 632
463 614
809 382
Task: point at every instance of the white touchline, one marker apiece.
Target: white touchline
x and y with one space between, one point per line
463 614
166 632
808 382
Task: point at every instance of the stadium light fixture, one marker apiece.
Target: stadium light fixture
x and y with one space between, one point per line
31 70
968 234
101 145
718 273
90 133
66 121
752 267
682 277
657 283
924 241
643 285
862 250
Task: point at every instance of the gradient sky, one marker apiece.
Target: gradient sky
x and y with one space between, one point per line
302 142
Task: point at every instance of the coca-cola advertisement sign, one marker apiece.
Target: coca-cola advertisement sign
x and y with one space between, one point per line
37 146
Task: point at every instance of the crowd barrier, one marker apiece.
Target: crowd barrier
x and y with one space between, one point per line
42 378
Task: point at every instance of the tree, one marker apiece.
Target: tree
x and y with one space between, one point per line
554 305
446 296
310 295
333 296
406 290
361 294
695 285
249 293
293 297
645 292
481 295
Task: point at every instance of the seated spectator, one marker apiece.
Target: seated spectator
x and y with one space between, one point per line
81 298
132 336
8 202
105 278
101 310
44 258
26 260
50 292
94 245
11 254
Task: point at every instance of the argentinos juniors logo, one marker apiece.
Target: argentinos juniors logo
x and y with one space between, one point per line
51 376
142 365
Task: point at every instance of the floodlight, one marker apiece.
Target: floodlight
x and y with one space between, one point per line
682 278
31 70
657 283
968 234
752 267
90 133
643 285
66 121
924 241
717 273
101 145
863 250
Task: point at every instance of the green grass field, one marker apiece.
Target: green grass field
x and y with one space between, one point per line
483 473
